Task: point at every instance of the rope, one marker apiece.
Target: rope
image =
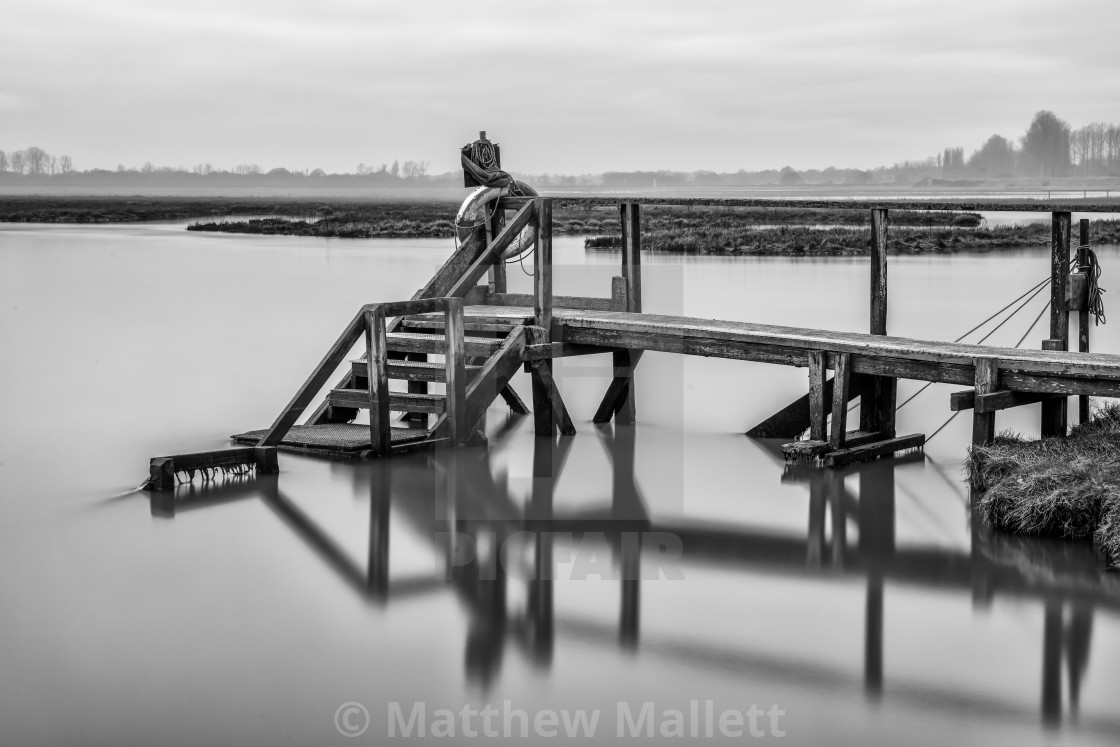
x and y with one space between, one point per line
1096 303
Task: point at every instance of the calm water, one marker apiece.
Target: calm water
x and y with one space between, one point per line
864 604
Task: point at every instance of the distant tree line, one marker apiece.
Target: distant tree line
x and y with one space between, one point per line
1049 148
35 161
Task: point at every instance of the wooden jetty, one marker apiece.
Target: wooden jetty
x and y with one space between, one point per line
465 332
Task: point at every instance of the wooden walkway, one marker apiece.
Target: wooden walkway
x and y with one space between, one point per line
1024 370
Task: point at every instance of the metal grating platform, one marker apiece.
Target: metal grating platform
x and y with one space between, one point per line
337 438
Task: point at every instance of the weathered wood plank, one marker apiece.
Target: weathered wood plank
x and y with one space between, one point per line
162 469
1059 271
587 303
547 351
874 450
840 388
1001 400
815 448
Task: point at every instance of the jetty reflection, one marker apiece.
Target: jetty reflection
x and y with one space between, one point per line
489 540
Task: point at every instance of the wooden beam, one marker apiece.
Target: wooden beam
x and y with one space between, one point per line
841 384
542 371
620 390
867 452
588 303
161 470
1002 400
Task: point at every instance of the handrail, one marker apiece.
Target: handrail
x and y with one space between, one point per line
377 367
493 253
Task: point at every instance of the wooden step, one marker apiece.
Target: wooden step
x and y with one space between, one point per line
437 323
412 370
398 401
411 342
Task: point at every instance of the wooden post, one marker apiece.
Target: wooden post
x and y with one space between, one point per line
456 372
626 360
841 381
1054 412
879 271
377 373
544 422
986 382
1083 314
542 267
1059 272
818 414
498 271
877 402
618 402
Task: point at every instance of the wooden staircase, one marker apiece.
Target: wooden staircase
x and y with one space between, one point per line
424 343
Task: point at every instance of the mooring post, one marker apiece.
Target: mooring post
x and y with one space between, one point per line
498 269
877 403
1083 313
818 412
841 379
1054 419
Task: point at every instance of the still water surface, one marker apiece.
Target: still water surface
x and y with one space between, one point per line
864 603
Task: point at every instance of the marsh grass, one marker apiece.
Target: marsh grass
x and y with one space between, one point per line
1056 487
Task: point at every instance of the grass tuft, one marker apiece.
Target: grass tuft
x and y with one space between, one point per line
1056 487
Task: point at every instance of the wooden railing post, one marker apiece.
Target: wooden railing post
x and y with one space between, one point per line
498 270
456 371
542 267
377 373
879 271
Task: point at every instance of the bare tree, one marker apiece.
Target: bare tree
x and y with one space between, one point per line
1046 146
3 161
19 162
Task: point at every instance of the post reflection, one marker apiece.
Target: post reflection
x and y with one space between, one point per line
491 540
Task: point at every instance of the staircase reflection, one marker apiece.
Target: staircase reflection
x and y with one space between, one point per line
479 521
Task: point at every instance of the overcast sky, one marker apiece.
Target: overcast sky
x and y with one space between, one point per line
565 87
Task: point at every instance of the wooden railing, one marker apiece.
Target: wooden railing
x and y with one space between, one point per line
377 367
371 321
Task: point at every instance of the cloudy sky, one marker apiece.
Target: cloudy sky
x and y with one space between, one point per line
566 87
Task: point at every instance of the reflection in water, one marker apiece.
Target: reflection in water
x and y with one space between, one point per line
489 538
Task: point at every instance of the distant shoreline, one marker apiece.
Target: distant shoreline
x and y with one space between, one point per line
784 231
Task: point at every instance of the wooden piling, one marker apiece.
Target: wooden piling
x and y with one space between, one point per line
1059 272
625 360
841 381
877 401
986 382
1054 411
1083 313
818 412
544 421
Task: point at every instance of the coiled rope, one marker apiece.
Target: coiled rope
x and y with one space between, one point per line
1093 272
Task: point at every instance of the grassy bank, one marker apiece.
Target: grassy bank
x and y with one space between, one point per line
1056 487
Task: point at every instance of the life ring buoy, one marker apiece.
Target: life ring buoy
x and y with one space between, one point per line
476 211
